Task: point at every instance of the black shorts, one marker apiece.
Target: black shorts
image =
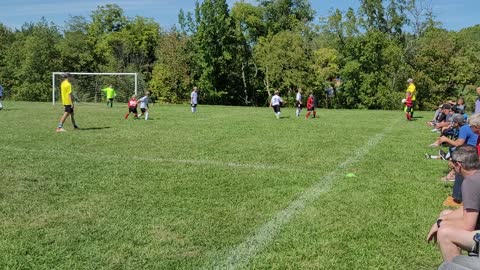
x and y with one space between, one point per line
143 110
311 109
193 105
111 99
298 104
132 109
68 108
276 108
409 109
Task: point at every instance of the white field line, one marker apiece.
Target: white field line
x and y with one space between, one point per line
240 255
195 162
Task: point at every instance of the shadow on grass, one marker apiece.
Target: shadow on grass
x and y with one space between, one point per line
94 128
417 117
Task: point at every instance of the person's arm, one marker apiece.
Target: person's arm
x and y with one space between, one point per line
71 99
455 143
470 219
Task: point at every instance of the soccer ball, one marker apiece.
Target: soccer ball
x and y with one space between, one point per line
404 101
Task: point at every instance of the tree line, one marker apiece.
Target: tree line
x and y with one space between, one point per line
240 55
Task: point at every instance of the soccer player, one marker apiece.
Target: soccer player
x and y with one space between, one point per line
194 99
67 101
298 102
275 103
144 105
409 106
1 97
311 106
111 93
132 107
413 91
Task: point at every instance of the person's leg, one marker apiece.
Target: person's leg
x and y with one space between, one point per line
62 119
314 113
146 114
453 238
457 188
73 120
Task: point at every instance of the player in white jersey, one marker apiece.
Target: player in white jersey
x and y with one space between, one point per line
144 105
194 99
275 103
298 102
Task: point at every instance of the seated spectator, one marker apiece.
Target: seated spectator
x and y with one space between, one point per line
454 230
436 117
445 118
465 134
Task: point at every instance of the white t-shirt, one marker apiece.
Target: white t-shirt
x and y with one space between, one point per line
143 102
276 100
299 97
194 97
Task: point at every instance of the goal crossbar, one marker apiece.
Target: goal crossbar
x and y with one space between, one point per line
92 73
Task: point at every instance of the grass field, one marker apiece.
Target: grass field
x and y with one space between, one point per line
228 187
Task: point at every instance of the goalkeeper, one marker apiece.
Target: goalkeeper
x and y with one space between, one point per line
110 92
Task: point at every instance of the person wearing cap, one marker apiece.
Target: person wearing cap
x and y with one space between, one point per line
445 120
413 91
67 101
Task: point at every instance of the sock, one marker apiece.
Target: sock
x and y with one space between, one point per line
314 114
298 113
193 109
60 125
146 116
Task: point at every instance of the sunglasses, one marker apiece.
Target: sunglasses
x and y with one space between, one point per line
455 161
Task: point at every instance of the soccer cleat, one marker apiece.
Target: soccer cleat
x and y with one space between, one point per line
75 127
428 156
60 129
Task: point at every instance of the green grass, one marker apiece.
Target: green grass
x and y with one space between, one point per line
184 191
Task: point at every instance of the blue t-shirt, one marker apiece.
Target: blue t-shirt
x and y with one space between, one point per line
466 133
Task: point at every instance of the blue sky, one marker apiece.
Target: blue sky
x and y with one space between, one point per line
454 14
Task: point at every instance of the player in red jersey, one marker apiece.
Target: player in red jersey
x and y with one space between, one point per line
311 106
409 106
132 107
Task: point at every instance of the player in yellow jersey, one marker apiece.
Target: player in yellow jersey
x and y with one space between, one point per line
67 101
413 94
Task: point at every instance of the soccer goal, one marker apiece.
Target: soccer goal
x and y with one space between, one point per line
87 86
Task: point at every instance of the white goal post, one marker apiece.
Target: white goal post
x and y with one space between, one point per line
135 75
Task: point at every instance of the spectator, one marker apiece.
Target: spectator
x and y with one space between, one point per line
454 229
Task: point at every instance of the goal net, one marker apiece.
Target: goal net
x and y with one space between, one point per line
87 86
